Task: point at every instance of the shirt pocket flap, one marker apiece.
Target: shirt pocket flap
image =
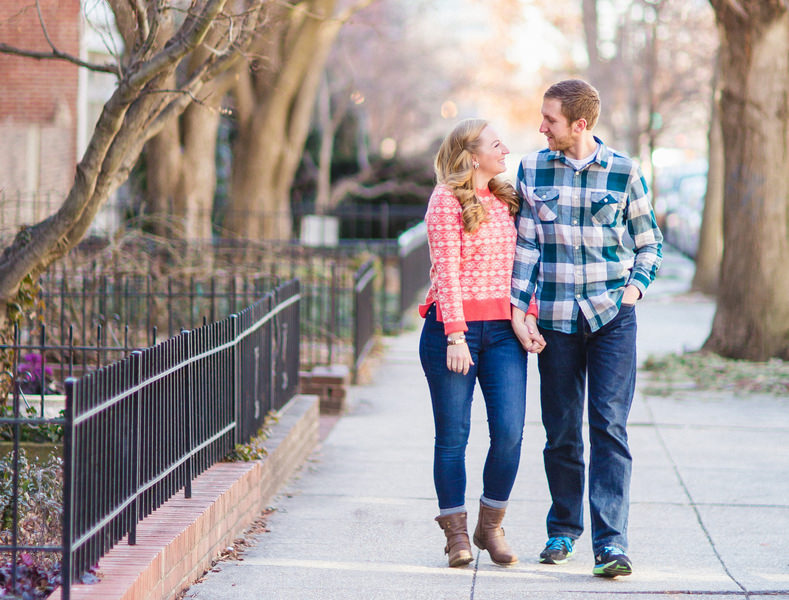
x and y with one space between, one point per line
606 206
546 202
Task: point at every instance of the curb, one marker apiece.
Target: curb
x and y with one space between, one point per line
177 543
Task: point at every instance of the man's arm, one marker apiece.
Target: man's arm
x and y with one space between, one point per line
647 239
527 251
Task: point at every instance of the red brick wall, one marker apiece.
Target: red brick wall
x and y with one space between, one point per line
38 98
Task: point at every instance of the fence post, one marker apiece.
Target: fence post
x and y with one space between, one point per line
273 347
332 310
136 450
235 370
187 351
68 489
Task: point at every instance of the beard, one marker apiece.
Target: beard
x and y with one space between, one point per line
559 144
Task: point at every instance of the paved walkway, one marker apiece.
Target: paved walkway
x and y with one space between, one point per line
710 494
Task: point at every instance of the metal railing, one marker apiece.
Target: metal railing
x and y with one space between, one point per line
100 290
140 429
363 314
414 257
356 220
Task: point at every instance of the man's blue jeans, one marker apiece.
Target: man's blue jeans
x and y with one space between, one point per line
607 359
500 367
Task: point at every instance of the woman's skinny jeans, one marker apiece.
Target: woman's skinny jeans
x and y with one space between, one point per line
500 366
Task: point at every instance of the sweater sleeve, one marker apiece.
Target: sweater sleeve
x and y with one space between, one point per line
444 235
533 310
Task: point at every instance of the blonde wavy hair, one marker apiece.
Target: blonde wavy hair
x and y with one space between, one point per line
454 169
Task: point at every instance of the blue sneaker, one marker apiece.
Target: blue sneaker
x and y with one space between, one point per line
557 551
612 562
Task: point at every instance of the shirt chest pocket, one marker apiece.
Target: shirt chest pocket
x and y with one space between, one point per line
546 203
607 207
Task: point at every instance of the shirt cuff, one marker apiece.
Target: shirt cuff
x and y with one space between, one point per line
638 280
455 327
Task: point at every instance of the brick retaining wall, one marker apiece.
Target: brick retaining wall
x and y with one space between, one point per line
176 544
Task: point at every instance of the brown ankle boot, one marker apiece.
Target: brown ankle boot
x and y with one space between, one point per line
458 547
490 536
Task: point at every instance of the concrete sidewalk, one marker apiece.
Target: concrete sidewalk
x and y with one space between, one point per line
710 494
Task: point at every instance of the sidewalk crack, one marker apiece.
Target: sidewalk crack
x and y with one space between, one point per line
692 502
474 578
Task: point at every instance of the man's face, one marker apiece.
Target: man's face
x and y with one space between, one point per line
555 126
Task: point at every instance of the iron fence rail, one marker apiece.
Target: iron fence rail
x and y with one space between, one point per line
138 430
414 263
355 219
363 314
128 308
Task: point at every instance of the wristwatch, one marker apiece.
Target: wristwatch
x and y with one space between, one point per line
458 340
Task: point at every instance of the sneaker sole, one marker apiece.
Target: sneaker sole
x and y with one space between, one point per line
612 569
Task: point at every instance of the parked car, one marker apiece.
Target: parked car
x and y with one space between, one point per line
679 204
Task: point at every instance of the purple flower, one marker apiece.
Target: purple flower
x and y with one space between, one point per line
32 363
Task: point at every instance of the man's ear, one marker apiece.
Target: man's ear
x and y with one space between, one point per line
579 125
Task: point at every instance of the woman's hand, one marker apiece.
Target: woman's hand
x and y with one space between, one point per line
537 341
525 328
459 358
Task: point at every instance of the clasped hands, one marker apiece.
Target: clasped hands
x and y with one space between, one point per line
525 328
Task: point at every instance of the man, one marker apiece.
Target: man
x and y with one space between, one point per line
588 243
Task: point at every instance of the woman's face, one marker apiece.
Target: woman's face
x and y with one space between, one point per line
491 155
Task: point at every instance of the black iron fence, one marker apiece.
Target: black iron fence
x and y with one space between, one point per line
138 430
79 289
363 314
414 259
354 220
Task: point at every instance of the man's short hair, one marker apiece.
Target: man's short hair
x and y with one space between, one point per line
579 100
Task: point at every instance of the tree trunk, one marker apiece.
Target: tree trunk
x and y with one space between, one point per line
326 151
274 121
135 113
163 166
710 248
752 316
198 176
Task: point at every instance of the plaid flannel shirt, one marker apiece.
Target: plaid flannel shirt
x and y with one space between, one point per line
583 236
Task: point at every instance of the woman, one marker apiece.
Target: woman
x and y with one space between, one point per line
467 334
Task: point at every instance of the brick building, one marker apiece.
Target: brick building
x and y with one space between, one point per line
48 107
38 98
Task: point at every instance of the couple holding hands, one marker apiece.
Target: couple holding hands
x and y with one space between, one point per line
552 267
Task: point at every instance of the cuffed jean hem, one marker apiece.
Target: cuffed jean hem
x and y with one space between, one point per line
499 504
443 512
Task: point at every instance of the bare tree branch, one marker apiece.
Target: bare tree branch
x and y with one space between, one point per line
738 8
355 185
142 18
58 55
44 26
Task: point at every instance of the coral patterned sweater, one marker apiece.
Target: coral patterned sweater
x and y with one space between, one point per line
471 273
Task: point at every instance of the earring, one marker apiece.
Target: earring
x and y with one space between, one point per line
475 164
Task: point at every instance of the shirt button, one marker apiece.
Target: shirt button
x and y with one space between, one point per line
578 296
575 221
